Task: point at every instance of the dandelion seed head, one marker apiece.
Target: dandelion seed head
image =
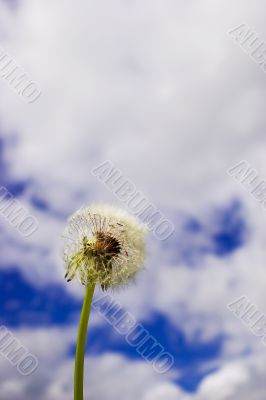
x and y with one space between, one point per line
103 245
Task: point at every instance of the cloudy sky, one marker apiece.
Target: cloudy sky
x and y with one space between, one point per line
163 91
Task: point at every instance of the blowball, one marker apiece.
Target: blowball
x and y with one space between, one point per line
103 245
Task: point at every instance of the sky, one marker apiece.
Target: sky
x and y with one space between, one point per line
174 101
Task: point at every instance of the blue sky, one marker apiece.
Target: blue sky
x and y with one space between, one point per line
25 305
162 91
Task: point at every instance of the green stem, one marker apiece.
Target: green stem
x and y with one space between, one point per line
81 344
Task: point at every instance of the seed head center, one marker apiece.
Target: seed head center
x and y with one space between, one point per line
107 245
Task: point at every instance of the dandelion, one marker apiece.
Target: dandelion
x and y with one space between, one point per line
104 246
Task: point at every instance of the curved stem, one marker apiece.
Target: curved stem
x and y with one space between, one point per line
81 343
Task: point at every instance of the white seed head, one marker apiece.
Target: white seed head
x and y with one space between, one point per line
103 245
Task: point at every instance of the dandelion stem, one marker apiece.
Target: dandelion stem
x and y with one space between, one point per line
81 343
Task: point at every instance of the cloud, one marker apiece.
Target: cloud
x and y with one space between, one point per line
108 374
160 89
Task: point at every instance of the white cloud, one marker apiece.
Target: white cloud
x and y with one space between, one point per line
161 90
